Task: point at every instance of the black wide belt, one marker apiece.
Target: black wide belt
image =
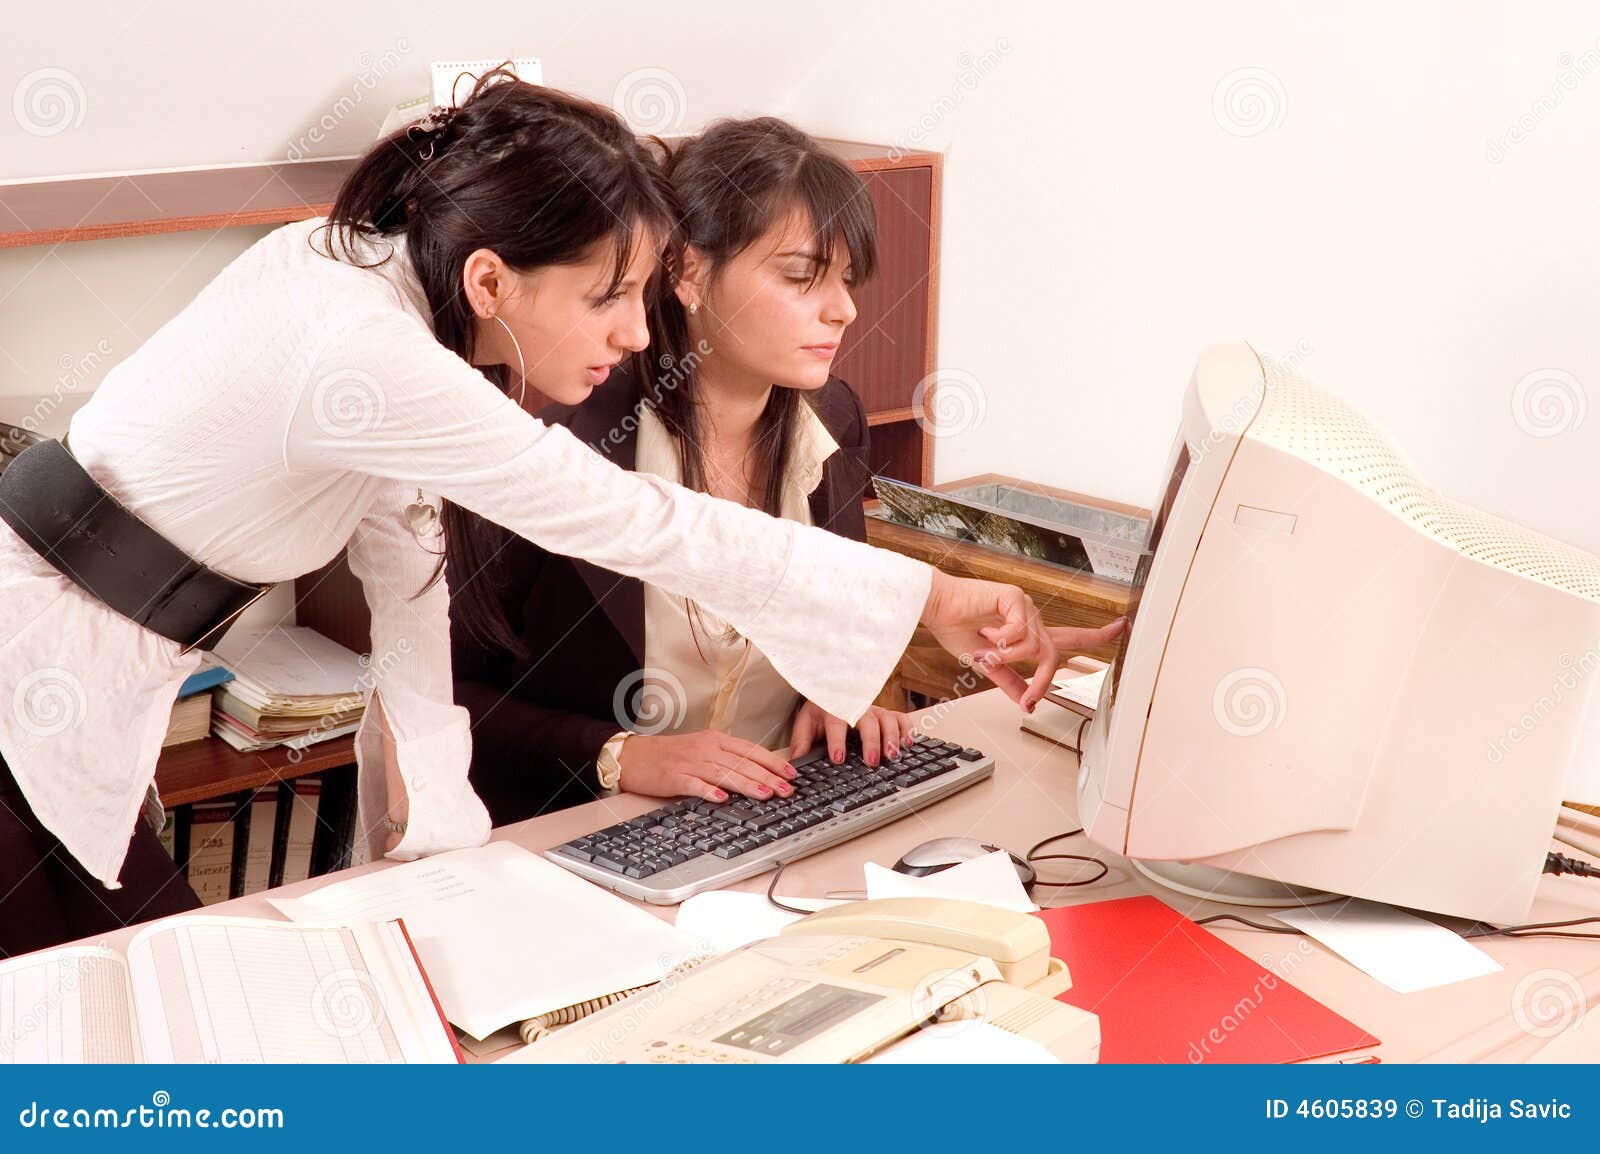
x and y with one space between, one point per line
54 505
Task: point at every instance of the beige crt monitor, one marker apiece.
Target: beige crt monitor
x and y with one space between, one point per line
1336 677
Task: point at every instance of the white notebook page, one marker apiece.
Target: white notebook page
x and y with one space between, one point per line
70 1005
241 990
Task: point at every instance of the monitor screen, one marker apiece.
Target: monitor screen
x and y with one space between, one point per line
1177 467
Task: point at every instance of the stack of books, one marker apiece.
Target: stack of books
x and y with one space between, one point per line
191 713
291 686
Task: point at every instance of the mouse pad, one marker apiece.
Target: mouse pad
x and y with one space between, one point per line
1169 991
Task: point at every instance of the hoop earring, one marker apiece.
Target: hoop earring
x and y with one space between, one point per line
522 365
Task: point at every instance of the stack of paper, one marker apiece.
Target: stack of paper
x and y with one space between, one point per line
292 686
504 934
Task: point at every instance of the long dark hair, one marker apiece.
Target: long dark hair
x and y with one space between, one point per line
733 182
539 177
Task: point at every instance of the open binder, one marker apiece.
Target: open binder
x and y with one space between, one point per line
217 989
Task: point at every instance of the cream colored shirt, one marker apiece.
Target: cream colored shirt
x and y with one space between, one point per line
294 407
725 684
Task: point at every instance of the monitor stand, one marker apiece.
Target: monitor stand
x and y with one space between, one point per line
1227 886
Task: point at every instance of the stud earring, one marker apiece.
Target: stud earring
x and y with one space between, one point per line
694 307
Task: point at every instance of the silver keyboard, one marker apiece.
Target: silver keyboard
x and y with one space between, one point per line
691 845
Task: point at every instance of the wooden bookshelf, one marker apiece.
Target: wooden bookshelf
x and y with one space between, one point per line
211 768
48 212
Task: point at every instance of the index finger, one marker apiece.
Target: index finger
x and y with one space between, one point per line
1044 674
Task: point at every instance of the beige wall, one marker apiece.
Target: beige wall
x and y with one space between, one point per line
1125 183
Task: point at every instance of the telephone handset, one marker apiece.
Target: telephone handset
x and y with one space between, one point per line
1018 944
841 984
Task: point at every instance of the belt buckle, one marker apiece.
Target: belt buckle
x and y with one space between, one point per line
229 620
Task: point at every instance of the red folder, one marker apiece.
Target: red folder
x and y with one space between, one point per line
1167 990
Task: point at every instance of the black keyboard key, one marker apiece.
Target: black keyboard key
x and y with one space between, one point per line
970 754
846 804
576 852
610 863
730 850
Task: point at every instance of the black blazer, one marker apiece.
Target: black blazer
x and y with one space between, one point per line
538 723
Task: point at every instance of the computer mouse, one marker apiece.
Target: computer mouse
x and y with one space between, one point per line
943 852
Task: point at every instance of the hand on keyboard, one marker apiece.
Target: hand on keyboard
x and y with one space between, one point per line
694 844
707 764
881 731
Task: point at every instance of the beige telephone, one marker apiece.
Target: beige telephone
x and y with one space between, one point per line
842 984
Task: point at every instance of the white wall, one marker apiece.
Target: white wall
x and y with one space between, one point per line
1113 199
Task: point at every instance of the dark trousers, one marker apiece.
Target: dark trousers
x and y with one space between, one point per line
47 898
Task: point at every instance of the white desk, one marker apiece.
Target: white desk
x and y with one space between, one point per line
1031 797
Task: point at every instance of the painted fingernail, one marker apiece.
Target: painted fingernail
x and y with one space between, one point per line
718 795
894 753
790 771
786 789
872 760
762 791
837 755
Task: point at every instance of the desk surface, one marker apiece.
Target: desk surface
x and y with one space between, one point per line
1030 797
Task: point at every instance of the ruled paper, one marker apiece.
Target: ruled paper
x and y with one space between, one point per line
70 1005
242 990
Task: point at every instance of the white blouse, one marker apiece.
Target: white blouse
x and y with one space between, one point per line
696 675
294 406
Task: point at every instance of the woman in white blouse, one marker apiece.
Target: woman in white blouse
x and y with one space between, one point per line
329 387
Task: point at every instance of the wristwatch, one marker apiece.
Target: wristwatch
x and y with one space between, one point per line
608 762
